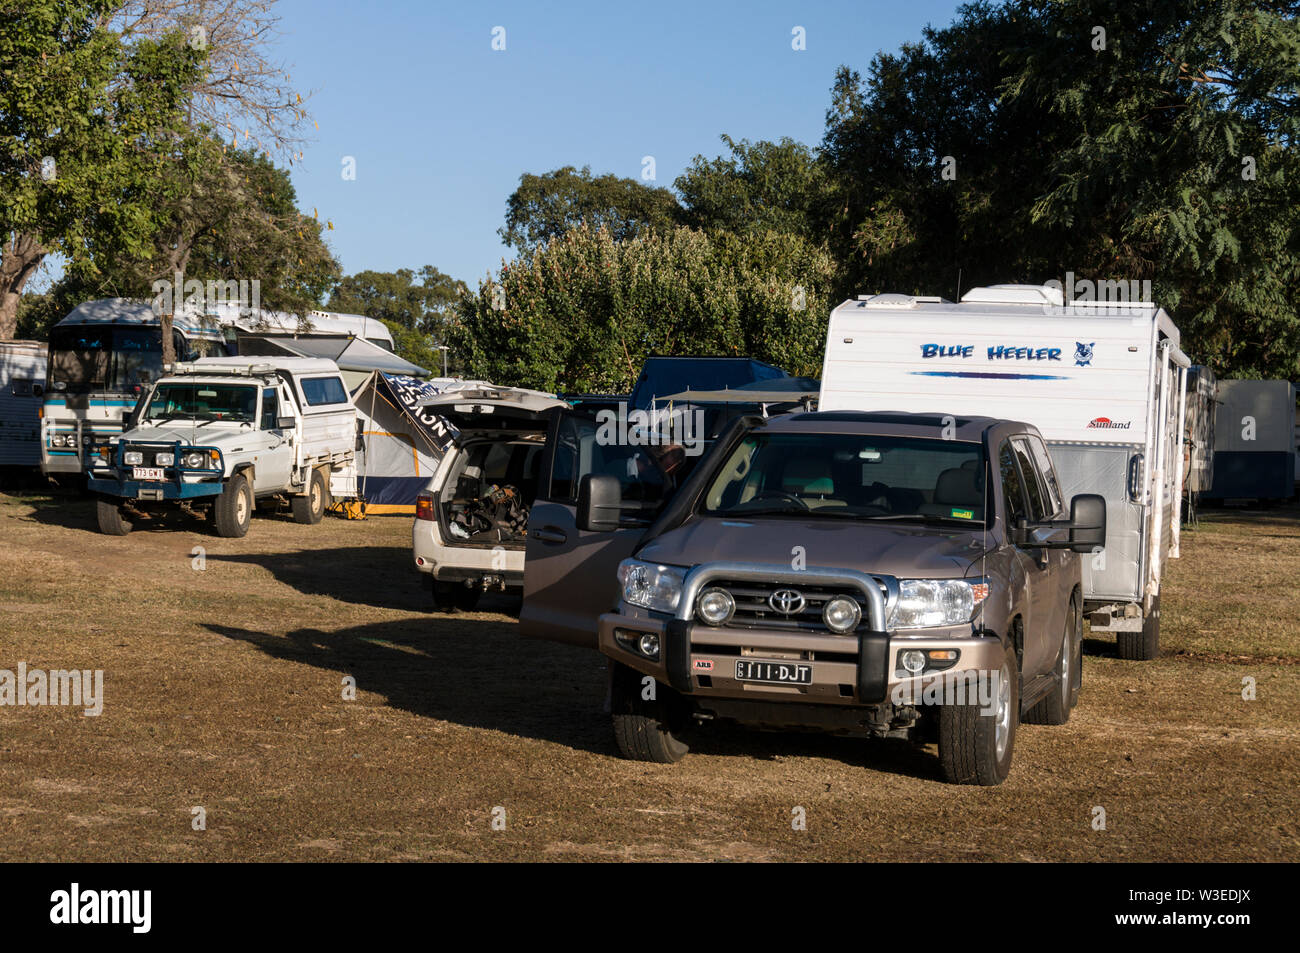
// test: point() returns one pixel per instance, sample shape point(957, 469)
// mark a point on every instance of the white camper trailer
point(1103, 381)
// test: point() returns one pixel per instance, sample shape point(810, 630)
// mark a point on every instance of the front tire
point(976, 748)
point(233, 509)
point(310, 507)
point(642, 727)
point(1054, 708)
point(111, 521)
point(1145, 645)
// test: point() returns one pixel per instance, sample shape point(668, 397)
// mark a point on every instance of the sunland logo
point(1105, 423)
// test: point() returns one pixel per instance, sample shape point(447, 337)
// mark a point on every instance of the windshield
point(846, 475)
point(187, 400)
point(104, 359)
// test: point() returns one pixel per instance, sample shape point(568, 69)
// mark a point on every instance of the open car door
point(570, 575)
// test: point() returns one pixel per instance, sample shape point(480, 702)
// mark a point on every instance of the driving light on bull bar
point(195, 461)
point(842, 614)
point(164, 459)
point(649, 645)
point(133, 458)
point(715, 606)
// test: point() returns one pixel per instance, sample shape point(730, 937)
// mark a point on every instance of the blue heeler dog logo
point(1083, 353)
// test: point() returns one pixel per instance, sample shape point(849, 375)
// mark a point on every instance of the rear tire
point(466, 598)
point(233, 509)
point(642, 727)
point(969, 741)
point(1054, 707)
point(1145, 645)
point(310, 507)
point(111, 521)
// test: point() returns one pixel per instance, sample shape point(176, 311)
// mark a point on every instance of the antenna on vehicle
point(958, 284)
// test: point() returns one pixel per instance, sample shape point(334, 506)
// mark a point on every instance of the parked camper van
point(22, 386)
point(218, 435)
point(1103, 381)
point(102, 357)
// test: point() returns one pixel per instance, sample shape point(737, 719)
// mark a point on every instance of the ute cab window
point(851, 476)
point(207, 402)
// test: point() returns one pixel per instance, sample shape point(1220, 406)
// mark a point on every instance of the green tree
point(396, 297)
point(762, 186)
point(584, 312)
point(545, 206)
point(1181, 166)
point(418, 315)
point(87, 119)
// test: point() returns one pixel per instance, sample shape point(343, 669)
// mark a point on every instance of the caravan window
point(323, 390)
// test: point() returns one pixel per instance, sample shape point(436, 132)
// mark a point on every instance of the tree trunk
point(177, 258)
point(20, 256)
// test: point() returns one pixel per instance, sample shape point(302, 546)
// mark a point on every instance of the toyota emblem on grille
point(786, 601)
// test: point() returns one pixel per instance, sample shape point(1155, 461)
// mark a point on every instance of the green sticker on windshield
point(963, 514)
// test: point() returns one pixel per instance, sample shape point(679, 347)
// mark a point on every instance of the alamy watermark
point(676, 427)
point(170, 294)
point(1084, 295)
point(76, 688)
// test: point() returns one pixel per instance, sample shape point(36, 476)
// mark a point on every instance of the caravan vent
point(895, 301)
point(1014, 294)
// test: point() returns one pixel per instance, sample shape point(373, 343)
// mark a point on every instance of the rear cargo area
point(487, 496)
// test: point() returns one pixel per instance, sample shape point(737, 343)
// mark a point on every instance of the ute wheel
point(1054, 708)
point(641, 726)
point(976, 748)
point(111, 520)
point(1145, 645)
point(310, 507)
point(233, 509)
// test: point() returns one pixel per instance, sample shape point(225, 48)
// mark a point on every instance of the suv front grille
point(754, 607)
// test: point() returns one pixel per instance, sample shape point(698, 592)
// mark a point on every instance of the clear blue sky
point(441, 125)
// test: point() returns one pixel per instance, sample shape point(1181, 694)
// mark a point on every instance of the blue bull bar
point(171, 487)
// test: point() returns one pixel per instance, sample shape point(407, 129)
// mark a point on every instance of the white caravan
point(1103, 381)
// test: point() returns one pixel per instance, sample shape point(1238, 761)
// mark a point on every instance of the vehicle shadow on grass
point(379, 576)
point(472, 672)
point(479, 673)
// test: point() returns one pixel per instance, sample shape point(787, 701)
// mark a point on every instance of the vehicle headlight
point(133, 458)
point(164, 459)
point(650, 585)
point(195, 461)
point(931, 602)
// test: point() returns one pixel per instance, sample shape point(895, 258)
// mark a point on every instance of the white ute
point(219, 435)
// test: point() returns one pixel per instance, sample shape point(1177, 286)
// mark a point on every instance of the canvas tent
point(356, 357)
point(403, 441)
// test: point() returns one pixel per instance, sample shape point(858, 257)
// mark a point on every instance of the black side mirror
point(1087, 522)
point(600, 503)
point(285, 423)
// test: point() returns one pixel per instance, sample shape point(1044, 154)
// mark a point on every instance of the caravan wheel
point(1145, 645)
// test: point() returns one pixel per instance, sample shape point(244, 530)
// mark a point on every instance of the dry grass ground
point(223, 690)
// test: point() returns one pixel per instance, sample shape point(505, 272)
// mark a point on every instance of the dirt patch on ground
point(224, 664)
